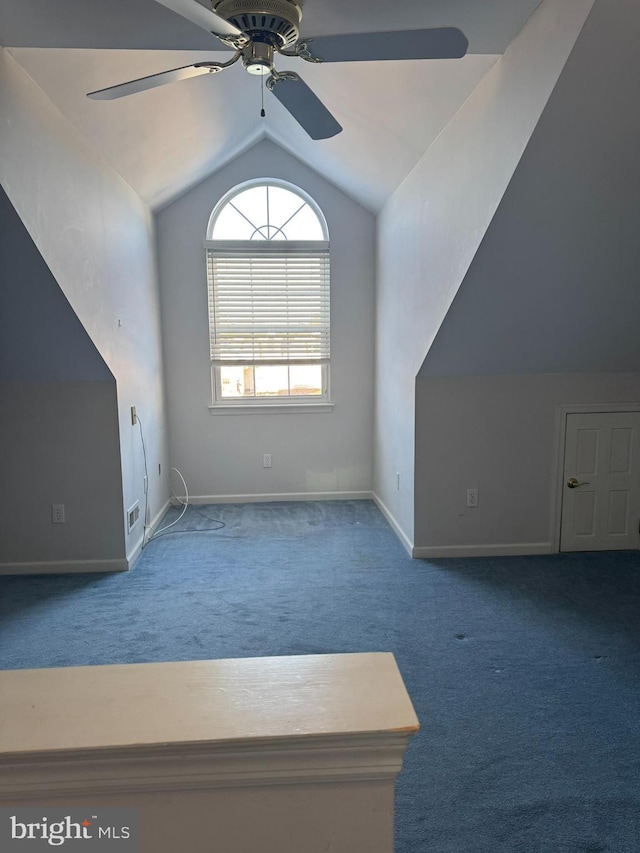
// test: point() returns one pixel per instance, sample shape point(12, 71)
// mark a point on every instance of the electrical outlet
point(472, 497)
point(397, 480)
point(57, 513)
point(134, 416)
point(266, 460)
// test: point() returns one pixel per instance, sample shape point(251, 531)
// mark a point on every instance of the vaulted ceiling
point(167, 139)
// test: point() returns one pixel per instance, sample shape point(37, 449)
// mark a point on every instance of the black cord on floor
point(208, 517)
point(146, 541)
point(217, 521)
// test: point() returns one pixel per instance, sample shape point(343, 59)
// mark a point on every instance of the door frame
point(561, 435)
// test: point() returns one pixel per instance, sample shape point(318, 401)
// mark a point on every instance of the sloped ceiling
point(165, 140)
point(553, 287)
point(36, 318)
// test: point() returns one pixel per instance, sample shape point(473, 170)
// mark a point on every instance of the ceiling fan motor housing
point(273, 22)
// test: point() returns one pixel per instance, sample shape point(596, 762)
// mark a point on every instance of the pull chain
point(262, 112)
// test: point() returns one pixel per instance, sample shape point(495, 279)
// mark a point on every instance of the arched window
point(268, 284)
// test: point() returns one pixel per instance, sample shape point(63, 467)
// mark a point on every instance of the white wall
point(221, 455)
point(498, 434)
point(431, 228)
point(97, 238)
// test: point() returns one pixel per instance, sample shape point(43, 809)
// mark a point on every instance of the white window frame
point(265, 404)
point(297, 402)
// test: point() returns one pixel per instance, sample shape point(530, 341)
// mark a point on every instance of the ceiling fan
point(258, 29)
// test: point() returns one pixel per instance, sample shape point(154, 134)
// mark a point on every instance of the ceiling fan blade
point(440, 43)
point(303, 104)
point(201, 16)
point(100, 25)
point(150, 82)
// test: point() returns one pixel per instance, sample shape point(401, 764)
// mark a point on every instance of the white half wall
point(221, 454)
point(97, 239)
point(499, 434)
point(59, 441)
point(431, 228)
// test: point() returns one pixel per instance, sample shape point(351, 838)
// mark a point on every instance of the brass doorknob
point(572, 483)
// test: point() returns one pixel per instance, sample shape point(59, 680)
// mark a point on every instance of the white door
point(601, 490)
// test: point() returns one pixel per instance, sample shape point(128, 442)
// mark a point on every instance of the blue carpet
point(524, 672)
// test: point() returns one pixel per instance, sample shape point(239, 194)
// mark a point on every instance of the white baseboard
point(133, 555)
point(518, 549)
point(402, 536)
point(63, 567)
point(288, 496)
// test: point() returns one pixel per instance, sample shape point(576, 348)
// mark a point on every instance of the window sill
point(272, 409)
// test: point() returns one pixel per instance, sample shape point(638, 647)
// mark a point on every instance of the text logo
point(34, 829)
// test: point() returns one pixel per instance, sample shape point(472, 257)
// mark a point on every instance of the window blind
point(268, 303)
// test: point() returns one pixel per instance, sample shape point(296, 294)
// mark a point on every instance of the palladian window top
point(267, 211)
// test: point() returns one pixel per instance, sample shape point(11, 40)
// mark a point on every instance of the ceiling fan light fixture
point(257, 58)
point(258, 69)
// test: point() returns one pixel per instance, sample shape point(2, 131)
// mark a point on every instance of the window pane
point(230, 225)
point(251, 381)
point(236, 382)
point(305, 379)
point(304, 226)
point(272, 381)
point(252, 203)
point(283, 205)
